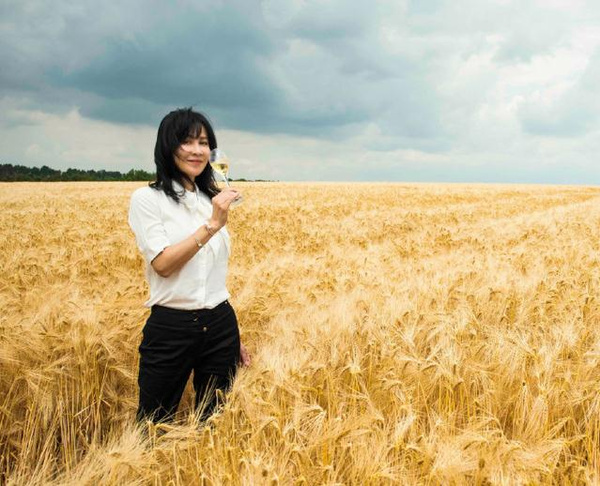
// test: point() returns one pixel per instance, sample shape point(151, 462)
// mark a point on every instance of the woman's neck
point(188, 186)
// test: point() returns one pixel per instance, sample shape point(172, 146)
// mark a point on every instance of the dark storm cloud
point(210, 61)
point(317, 69)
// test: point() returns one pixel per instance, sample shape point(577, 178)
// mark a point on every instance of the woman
point(179, 225)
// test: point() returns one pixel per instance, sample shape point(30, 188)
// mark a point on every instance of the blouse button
point(205, 328)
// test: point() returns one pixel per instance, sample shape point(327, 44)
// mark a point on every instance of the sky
point(302, 90)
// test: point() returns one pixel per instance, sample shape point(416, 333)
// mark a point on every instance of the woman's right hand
point(221, 203)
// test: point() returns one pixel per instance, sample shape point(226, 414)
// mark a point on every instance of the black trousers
point(177, 342)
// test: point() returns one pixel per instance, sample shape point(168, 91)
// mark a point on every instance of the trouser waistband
point(161, 308)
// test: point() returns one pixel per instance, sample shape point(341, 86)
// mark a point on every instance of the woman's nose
point(196, 147)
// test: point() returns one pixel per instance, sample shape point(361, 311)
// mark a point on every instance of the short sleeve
point(146, 223)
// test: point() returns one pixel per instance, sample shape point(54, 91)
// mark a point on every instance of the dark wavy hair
point(173, 130)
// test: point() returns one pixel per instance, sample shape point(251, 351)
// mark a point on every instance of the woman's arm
point(173, 257)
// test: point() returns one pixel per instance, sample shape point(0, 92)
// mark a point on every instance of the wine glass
point(220, 164)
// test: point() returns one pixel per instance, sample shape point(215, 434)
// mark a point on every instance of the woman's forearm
point(173, 257)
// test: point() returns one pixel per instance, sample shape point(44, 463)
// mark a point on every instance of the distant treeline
point(13, 173)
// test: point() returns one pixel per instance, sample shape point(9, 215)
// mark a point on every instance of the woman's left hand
point(244, 356)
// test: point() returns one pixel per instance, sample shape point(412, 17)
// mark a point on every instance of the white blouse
point(157, 222)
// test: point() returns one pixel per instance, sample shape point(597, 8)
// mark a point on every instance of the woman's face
point(192, 155)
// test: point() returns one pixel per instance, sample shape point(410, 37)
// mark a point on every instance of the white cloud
point(61, 141)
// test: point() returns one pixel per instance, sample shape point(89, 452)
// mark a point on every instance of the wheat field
point(400, 333)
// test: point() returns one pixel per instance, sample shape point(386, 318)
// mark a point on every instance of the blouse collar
point(188, 198)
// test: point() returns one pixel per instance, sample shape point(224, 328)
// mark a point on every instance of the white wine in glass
point(220, 164)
